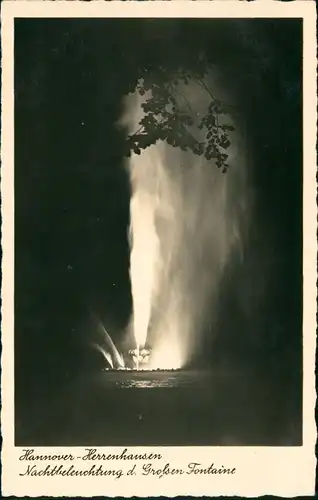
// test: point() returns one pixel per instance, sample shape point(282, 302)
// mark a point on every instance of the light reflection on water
point(153, 379)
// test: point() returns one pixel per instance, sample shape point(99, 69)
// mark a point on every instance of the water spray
point(186, 225)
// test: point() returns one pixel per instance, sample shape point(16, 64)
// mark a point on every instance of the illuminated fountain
point(140, 358)
point(186, 223)
point(105, 346)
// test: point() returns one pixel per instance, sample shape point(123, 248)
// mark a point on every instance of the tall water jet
point(187, 220)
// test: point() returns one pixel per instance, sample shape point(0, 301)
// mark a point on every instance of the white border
point(280, 471)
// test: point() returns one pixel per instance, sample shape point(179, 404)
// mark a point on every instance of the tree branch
point(143, 127)
point(201, 82)
point(184, 97)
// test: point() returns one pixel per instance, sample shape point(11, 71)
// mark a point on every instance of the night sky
point(72, 190)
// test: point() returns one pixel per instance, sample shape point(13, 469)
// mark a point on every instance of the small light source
point(140, 357)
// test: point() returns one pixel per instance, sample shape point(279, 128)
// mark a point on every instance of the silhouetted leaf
point(166, 119)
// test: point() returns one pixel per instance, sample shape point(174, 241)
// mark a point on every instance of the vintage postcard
point(159, 248)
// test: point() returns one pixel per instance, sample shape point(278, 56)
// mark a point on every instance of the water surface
point(168, 408)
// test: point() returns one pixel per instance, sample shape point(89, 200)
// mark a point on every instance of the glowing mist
point(186, 222)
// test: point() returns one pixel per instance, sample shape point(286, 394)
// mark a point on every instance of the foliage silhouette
point(169, 115)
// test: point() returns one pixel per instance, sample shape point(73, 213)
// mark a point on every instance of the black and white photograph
point(158, 232)
point(158, 223)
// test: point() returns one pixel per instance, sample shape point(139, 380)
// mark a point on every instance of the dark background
point(72, 191)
